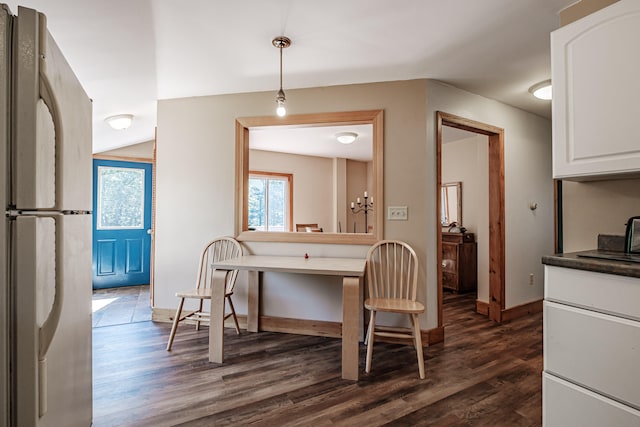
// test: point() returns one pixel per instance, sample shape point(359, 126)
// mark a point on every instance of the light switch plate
point(397, 213)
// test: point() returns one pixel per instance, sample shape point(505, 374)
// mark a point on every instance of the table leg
point(350, 326)
point(253, 310)
point(216, 321)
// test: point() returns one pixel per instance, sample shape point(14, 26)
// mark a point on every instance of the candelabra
point(365, 207)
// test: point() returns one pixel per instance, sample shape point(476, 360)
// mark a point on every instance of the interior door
point(121, 223)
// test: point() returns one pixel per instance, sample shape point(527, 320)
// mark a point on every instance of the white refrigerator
point(45, 238)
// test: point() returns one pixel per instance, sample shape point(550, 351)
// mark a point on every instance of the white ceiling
point(314, 141)
point(130, 53)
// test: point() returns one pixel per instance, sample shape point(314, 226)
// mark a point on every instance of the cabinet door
point(596, 93)
point(564, 404)
point(450, 257)
point(594, 350)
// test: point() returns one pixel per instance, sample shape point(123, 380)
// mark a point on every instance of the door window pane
point(120, 198)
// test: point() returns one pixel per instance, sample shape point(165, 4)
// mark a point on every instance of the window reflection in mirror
point(270, 201)
point(451, 203)
point(326, 175)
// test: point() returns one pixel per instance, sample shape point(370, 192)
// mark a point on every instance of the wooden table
point(350, 269)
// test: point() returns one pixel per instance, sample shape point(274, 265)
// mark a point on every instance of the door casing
point(495, 135)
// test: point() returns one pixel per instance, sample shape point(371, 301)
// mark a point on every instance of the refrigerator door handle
point(48, 328)
point(48, 96)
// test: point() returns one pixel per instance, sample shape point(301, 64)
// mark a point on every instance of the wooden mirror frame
point(458, 186)
point(372, 117)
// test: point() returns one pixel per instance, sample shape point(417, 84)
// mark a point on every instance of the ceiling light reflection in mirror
point(319, 141)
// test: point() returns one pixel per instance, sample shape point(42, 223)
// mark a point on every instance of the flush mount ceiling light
point(119, 122)
point(541, 90)
point(346, 137)
point(281, 43)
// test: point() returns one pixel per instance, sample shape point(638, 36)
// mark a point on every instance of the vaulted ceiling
point(130, 53)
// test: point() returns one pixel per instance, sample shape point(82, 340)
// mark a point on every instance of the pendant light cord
point(280, 67)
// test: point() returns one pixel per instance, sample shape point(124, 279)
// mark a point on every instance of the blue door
point(121, 223)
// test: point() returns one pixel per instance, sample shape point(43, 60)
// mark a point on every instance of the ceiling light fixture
point(346, 137)
point(119, 122)
point(541, 90)
point(281, 42)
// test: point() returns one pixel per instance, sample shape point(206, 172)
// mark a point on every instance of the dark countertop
point(572, 260)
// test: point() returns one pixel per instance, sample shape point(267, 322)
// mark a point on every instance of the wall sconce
point(281, 43)
point(346, 137)
point(541, 90)
point(119, 122)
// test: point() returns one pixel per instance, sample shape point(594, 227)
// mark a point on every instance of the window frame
point(289, 202)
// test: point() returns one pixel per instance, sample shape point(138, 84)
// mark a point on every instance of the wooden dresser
point(459, 262)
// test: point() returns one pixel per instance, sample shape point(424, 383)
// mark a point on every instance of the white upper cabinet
point(595, 65)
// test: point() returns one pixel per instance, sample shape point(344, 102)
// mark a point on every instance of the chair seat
point(202, 293)
point(394, 305)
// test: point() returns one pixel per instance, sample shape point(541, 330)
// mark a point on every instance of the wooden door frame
point(152, 160)
point(495, 134)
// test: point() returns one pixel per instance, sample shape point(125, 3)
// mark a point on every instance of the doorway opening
point(492, 304)
point(123, 277)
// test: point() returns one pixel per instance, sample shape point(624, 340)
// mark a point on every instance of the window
point(270, 201)
point(120, 198)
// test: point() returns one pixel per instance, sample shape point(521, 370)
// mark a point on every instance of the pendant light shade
point(281, 43)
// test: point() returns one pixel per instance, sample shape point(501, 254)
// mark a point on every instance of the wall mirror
point(285, 175)
point(451, 202)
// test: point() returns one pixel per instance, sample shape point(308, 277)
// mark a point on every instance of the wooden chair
point(217, 250)
point(392, 280)
point(308, 228)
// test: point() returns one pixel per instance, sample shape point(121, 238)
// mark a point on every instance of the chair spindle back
point(392, 270)
point(220, 249)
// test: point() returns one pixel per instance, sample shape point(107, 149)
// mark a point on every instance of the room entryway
point(122, 206)
point(492, 300)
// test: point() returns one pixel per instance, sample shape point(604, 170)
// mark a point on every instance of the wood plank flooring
point(483, 375)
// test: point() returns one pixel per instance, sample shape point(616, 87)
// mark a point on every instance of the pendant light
point(281, 42)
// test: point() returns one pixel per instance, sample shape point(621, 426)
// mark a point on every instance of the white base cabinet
point(595, 69)
point(568, 405)
point(591, 349)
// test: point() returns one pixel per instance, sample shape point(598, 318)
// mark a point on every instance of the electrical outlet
point(397, 213)
point(530, 279)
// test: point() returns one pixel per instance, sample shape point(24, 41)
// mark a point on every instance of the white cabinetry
point(591, 349)
point(595, 65)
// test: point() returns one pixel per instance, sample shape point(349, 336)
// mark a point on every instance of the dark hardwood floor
point(483, 375)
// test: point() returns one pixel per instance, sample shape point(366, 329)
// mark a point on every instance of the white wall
point(527, 146)
point(598, 207)
point(196, 189)
point(143, 150)
point(467, 161)
point(312, 184)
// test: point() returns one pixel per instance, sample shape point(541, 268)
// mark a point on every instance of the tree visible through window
point(270, 201)
point(120, 198)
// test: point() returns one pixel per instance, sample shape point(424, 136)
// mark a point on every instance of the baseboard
point(164, 315)
point(299, 326)
point(513, 312)
point(521, 310)
point(482, 307)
